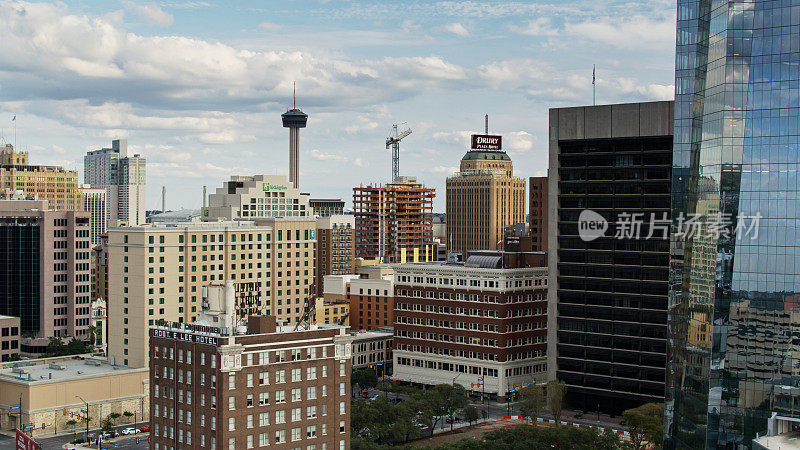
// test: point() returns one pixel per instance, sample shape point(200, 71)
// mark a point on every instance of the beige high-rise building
point(157, 271)
point(482, 200)
point(52, 183)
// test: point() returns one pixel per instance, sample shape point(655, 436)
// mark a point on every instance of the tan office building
point(157, 271)
point(53, 392)
point(335, 247)
point(482, 200)
point(58, 186)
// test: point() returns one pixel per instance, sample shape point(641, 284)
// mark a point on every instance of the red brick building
point(482, 323)
point(335, 248)
point(269, 386)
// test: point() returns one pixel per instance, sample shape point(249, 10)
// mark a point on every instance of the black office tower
point(609, 253)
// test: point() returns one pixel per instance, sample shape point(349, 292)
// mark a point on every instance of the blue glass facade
point(734, 323)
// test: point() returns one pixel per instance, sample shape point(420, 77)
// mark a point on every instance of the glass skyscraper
point(733, 370)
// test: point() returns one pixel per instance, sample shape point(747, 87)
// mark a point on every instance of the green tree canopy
point(645, 424)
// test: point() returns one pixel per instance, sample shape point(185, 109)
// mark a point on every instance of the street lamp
point(87, 417)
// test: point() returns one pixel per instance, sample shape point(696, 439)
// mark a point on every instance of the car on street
point(145, 429)
point(373, 397)
point(131, 430)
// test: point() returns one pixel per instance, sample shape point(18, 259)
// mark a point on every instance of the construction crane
point(393, 141)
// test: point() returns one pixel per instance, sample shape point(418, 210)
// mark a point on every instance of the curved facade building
point(734, 357)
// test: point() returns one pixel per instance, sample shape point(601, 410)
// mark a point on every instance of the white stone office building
point(257, 196)
point(122, 176)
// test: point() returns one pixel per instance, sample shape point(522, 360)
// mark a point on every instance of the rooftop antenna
point(487, 123)
point(294, 94)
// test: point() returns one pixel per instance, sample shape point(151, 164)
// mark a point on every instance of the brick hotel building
point(460, 322)
point(269, 386)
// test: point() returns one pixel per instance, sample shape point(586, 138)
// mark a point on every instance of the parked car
point(145, 429)
point(374, 397)
point(455, 419)
point(131, 430)
point(108, 434)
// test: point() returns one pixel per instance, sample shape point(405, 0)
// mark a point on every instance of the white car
point(130, 431)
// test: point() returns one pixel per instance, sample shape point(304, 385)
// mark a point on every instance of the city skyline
point(198, 88)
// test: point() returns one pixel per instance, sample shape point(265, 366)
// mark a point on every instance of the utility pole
point(87, 416)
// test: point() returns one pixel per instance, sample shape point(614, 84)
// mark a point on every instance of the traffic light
point(137, 440)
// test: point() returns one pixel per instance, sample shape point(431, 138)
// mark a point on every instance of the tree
point(555, 397)
point(128, 415)
point(645, 424)
point(533, 401)
point(365, 378)
point(71, 423)
point(529, 437)
point(112, 417)
point(471, 414)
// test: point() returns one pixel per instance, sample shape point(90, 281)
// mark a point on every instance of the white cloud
point(270, 26)
point(150, 13)
point(447, 170)
point(639, 32)
point(540, 26)
point(320, 156)
point(520, 141)
point(457, 29)
point(360, 163)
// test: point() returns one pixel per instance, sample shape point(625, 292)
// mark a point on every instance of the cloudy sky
point(198, 87)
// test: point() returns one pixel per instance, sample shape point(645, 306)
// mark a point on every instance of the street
point(57, 442)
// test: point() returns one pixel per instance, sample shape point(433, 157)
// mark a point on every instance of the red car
point(145, 429)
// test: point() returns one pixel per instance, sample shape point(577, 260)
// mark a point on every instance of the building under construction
point(394, 223)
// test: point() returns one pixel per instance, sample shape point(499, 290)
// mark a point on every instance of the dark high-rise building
point(44, 271)
point(733, 366)
point(609, 281)
point(537, 212)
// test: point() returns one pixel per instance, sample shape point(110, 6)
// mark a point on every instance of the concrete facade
point(157, 271)
point(57, 186)
point(482, 200)
point(335, 248)
point(45, 271)
point(10, 336)
point(123, 177)
point(50, 388)
point(257, 196)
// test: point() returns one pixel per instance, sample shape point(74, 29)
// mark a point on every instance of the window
point(263, 439)
point(311, 432)
point(231, 402)
point(341, 407)
point(341, 426)
point(296, 396)
point(231, 423)
point(311, 373)
point(263, 398)
point(263, 377)
point(280, 376)
point(231, 381)
point(296, 375)
point(280, 436)
point(280, 396)
point(249, 400)
point(311, 392)
point(280, 417)
point(249, 441)
point(231, 443)
point(296, 415)
point(250, 378)
point(341, 389)
point(263, 419)
point(296, 434)
point(249, 421)
point(311, 412)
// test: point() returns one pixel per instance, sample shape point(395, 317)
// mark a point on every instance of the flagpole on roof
point(594, 87)
point(14, 119)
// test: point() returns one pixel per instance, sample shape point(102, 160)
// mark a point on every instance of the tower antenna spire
point(487, 123)
point(294, 94)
